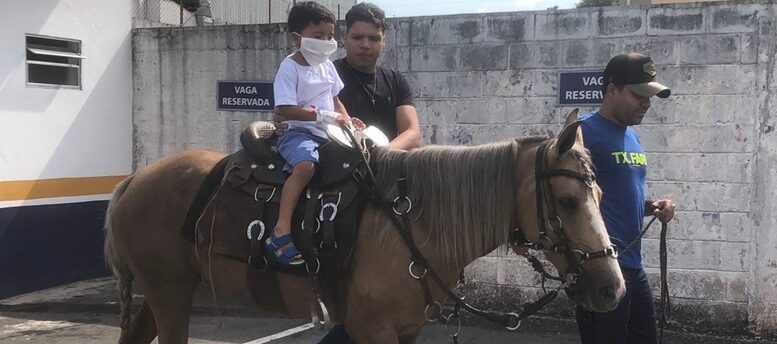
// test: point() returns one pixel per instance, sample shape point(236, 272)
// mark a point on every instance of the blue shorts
point(296, 146)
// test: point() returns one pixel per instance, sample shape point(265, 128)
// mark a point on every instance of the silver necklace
point(369, 94)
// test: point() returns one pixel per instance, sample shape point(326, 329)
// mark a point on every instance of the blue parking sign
point(245, 96)
point(580, 88)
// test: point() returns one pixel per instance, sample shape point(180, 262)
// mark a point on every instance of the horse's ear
point(568, 137)
point(572, 117)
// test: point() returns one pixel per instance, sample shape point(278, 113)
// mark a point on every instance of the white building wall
point(62, 150)
point(53, 132)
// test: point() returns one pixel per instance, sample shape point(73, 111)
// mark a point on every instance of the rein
point(664, 304)
point(399, 216)
point(398, 212)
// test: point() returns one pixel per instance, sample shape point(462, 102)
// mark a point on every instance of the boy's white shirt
point(307, 86)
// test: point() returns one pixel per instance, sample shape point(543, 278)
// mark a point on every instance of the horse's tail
point(116, 261)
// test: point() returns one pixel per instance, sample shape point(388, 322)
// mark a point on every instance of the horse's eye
point(568, 202)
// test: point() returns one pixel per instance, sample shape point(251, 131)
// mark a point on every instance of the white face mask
point(316, 51)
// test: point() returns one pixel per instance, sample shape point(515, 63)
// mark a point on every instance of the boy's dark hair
point(306, 12)
point(368, 13)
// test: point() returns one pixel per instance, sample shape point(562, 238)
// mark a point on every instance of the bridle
point(546, 219)
point(575, 258)
point(398, 212)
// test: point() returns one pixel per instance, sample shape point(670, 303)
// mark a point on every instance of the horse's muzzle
point(599, 290)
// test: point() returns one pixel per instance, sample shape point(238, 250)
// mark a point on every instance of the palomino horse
point(467, 201)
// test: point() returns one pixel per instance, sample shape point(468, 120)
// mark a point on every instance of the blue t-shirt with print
point(621, 168)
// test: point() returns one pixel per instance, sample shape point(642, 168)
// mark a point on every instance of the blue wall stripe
point(47, 245)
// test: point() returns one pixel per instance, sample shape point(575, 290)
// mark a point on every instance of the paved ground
point(86, 312)
point(79, 328)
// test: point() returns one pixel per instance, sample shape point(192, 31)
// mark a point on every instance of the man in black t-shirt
point(378, 96)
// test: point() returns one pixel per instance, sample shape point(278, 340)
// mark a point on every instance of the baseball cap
point(638, 72)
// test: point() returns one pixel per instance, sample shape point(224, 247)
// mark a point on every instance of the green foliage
point(596, 3)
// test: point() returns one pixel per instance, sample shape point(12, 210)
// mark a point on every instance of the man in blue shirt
point(621, 167)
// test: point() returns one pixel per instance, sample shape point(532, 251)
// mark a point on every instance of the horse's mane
point(464, 195)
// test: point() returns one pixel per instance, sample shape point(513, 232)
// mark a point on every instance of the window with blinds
point(53, 61)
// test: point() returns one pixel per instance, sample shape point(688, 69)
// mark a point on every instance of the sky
point(406, 8)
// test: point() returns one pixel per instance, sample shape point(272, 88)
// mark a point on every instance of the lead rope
point(664, 304)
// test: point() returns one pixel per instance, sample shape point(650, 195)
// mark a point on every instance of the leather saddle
point(259, 139)
point(243, 207)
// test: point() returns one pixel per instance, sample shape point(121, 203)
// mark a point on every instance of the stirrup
point(315, 306)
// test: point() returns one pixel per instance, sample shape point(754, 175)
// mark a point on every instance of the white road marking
point(283, 334)
point(32, 325)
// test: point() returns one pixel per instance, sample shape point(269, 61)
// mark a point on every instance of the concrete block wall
point(485, 77)
point(175, 74)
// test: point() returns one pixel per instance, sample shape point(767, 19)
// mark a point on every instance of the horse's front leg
point(409, 338)
point(373, 333)
point(382, 334)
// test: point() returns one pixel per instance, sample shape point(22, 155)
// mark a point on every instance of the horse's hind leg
point(169, 296)
point(171, 309)
point(142, 330)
